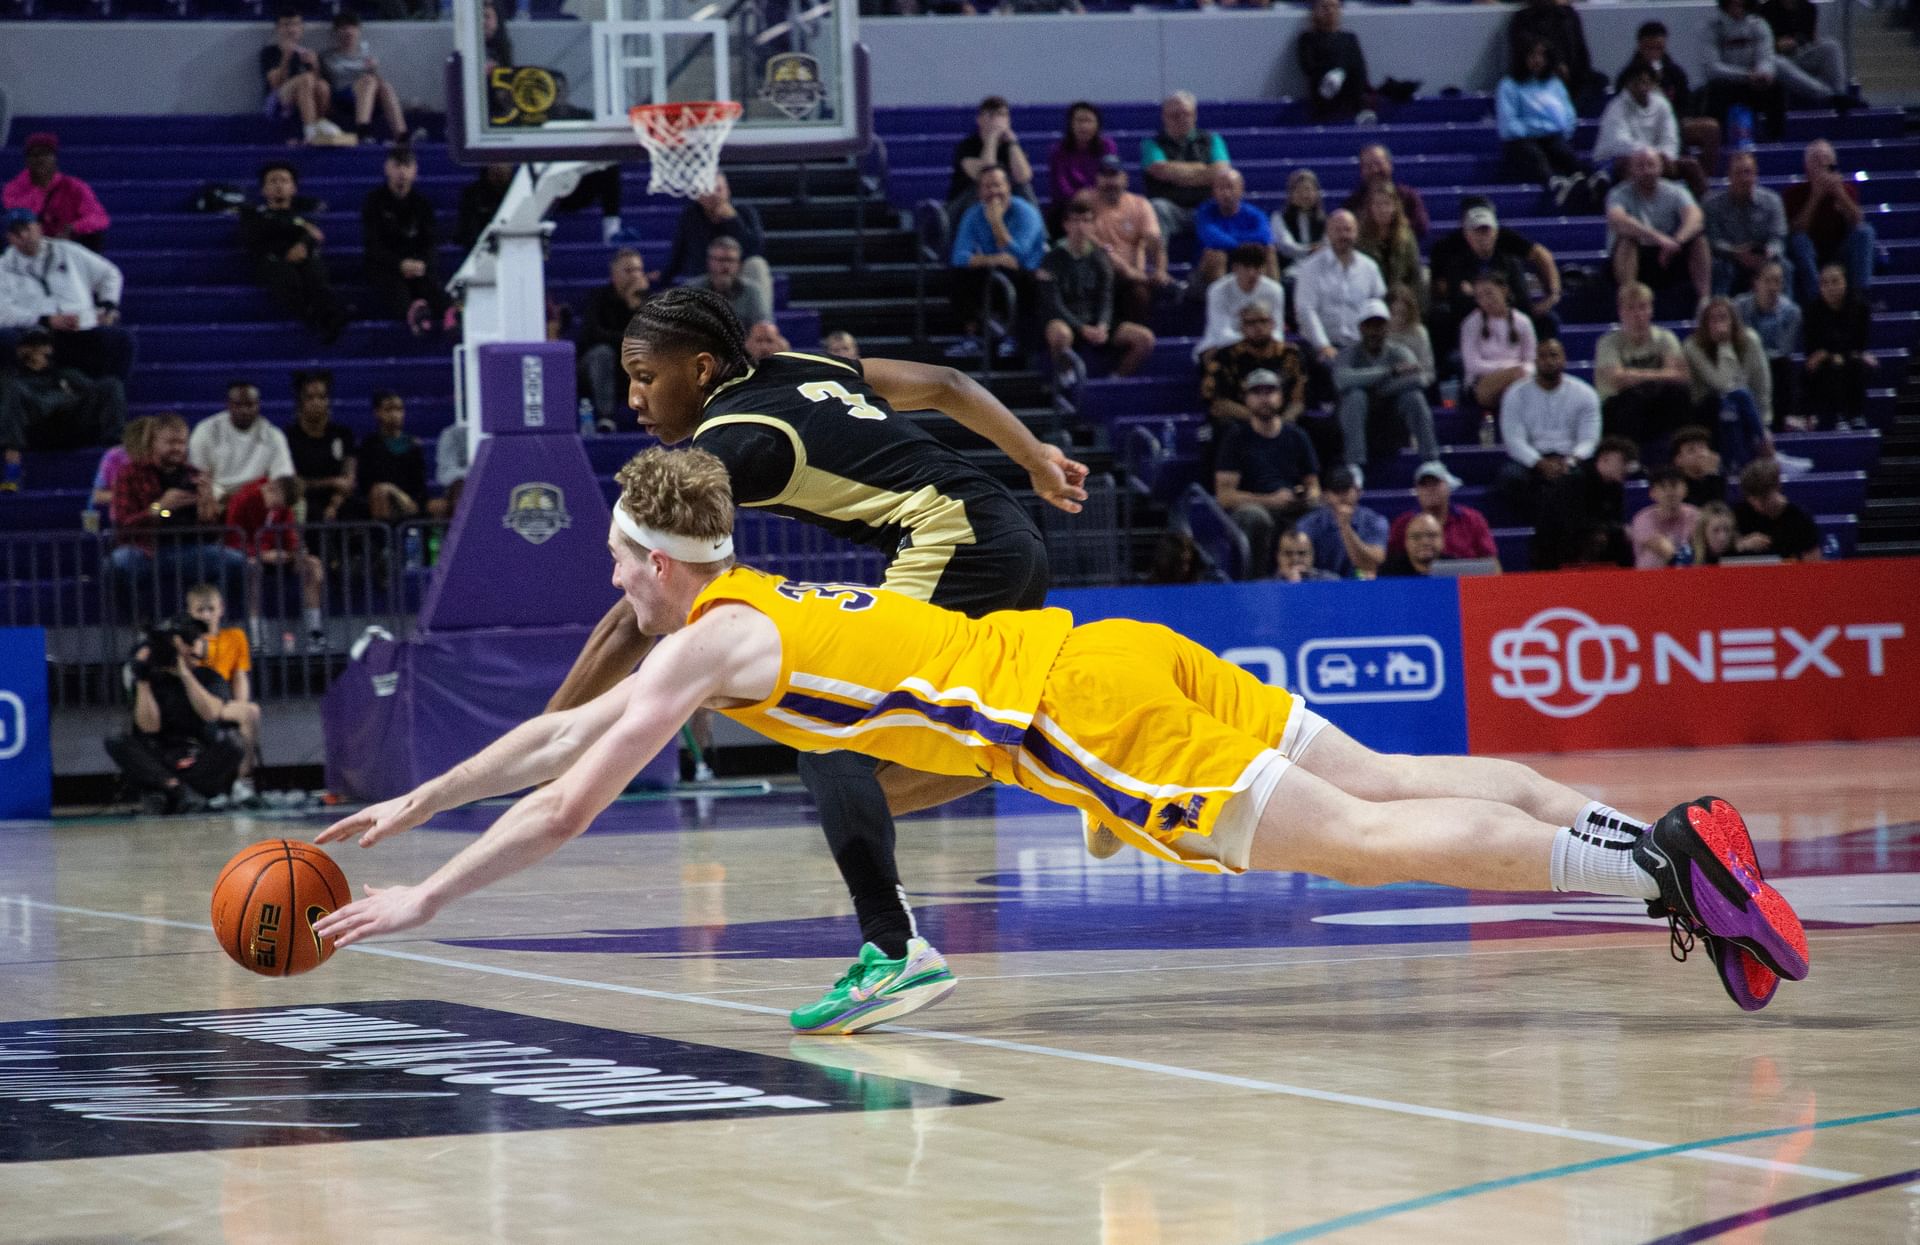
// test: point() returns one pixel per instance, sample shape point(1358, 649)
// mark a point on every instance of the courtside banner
point(1382, 659)
point(1681, 658)
point(26, 751)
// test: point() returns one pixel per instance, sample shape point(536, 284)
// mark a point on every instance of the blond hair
point(681, 492)
point(199, 594)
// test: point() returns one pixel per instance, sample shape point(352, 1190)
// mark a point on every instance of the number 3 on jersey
point(833, 390)
point(852, 598)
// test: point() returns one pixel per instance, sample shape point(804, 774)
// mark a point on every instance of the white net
point(683, 141)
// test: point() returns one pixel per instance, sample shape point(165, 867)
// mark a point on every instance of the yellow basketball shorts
point(1150, 735)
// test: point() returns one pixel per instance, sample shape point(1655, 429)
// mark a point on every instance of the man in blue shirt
point(1224, 222)
point(1349, 540)
point(1001, 234)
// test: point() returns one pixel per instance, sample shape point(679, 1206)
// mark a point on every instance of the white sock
point(609, 225)
point(1594, 855)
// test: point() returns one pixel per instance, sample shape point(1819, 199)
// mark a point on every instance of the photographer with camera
point(177, 755)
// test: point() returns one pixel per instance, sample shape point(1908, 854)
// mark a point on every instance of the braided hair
point(690, 319)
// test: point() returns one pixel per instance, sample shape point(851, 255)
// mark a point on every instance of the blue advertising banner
point(26, 749)
point(1381, 659)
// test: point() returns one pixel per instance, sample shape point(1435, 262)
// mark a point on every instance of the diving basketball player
point(1178, 753)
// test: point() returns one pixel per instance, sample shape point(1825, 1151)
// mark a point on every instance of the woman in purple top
point(1074, 163)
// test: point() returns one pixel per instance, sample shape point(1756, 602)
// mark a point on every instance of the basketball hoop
point(683, 141)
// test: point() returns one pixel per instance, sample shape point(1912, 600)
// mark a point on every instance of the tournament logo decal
point(161, 1083)
point(793, 85)
point(537, 512)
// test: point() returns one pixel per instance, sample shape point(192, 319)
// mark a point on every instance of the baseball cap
point(1112, 164)
point(1339, 480)
point(1374, 309)
point(1434, 469)
point(1261, 378)
point(45, 138)
point(1480, 218)
point(19, 218)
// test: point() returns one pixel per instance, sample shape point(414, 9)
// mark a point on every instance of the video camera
point(159, 643)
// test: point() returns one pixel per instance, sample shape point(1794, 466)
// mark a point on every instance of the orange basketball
point(266, 901)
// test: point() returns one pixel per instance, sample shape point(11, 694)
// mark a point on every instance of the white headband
point(679, 548)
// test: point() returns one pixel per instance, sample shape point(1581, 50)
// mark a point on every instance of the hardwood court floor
point(1145, 1056)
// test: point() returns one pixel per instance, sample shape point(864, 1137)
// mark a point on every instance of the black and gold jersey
point(805, 436)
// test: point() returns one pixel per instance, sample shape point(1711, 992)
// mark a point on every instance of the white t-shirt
point(233, 457)
point(1225, 301)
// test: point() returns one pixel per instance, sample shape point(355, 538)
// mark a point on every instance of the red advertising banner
point(1682, 658)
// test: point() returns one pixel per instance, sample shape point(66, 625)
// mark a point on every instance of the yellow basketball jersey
point(896, 678)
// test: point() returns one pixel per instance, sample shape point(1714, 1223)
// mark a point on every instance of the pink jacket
point(1489, 347)
point(66, 205)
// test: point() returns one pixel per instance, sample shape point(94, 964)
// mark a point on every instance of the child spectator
point(294, 85)
point(353, 71)
point(1693, 453)
point(229, 656)
point(391, 468)
point(1075, 288)
point(1405, 329)
point(1715, 535)
point(396, 230)
point(841, 345)
point(1246, 282)
point(1535, 117)
point(1768, 522)
point(1640, 116)
point(1838, 360)
point(322, 450)
point(262, 526)
point(1497, 344)
point(285, 246)
point(1662, 531)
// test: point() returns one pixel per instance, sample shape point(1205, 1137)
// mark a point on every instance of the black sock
point(859, 830)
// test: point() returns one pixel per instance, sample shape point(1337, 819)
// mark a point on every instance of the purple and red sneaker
point(1711, 885)
point(1750, 984)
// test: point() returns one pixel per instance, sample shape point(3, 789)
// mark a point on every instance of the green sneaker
point(875, 989)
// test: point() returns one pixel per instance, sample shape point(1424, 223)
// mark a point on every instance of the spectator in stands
point(1465, 533)
point(1640, 373)
point(158, 501)
point(230, 656)
point(992, 145)
point(1788, 532)
point(294, 83)
point(750, 302)
point(1482, 245)
point(1246, 282)
point(174, 755)
point(1126, 225)
point(1699, 463)
point(65, 205)
point(1697, 132)
point(494, 38)
point(1332, 286)
point(1557, 24)
point(716, 215)
point(1768, 311)
point(1376, 169)
point(1662, 532)
point(1299, 227)
point(1417, 550)
point(1349, 539)
point(1838, 361)
point(1179, 164)
point(44, 407)
point(397, 235)
point(1387, 239)
point(354, 72)
point(998, 234)
point(765, 340)
point(451, 462)
point(1224, 374)
point(391, 468)
point(1732, 387)
point(841, 345)
point(236, 447)
point(322, 450)
point(1823, 213)
point(261, 524)
point(1075, 289)
point(1293, 560)
point(1715, 534)
point(1497, 344)
point(1549, 424)
point(285, 246)
point(1655, 231)
point(479, 200)
point(1404, 329)
point(62, 287)
point(1266, 474)
point(1640, 116)
point(1536, 121)
point(1742, 71)
point(1074, 163)
point(1578, 516)
point(1809, 67)
point(1224, 223)
point(603, 324)
point(135, 440)
point(1176, 560)
point(1746, 226)
point(1376, 379)
point(1335, 68)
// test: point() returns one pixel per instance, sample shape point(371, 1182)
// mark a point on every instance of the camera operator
point(177, 754)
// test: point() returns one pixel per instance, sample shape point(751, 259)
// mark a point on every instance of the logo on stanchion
point(793, 85)
point(537, 512)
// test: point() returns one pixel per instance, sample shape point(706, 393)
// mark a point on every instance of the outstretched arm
point(926, 387)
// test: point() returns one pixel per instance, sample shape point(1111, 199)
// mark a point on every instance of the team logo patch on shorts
point(1183, 814)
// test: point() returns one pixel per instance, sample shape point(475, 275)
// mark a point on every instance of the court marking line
point(1692, 1151)
point(1774, 1210)
point(1358, 1218)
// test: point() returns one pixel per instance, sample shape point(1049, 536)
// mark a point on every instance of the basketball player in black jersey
point(819, 439)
